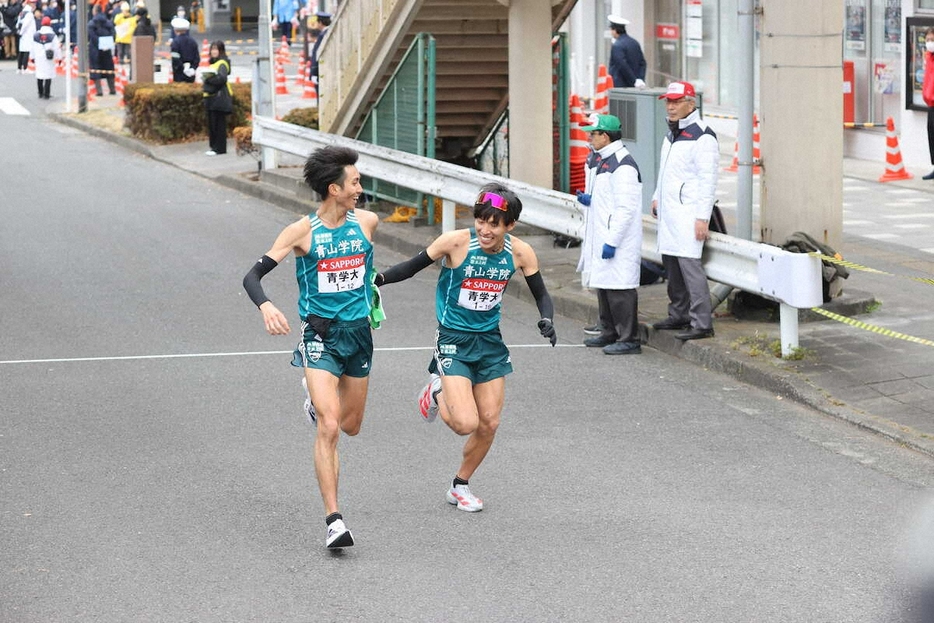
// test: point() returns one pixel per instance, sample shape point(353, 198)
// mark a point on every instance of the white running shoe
point(338, 535)
point(428, 400)
point(309, 409)
point(210, 152)
point(464, 499)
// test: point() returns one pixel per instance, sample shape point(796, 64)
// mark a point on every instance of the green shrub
point(305, 117)
point(174, 113)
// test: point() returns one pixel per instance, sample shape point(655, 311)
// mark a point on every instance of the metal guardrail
point(792, 279)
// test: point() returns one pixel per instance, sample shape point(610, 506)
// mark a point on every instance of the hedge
point(174, 113)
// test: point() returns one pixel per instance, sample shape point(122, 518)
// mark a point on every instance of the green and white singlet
point(332, 277)
point(468, 297)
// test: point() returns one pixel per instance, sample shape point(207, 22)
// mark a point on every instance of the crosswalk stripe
point(11, 107)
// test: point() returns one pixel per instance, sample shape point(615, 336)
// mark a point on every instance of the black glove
point(547, 329)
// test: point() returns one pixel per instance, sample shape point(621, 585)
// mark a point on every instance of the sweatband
point(251, 281)
point(542, 299)
point(406, 269)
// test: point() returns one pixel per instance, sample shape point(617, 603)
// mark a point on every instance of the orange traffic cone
point(579, 147)
point(756, 169)
point(74, 65)
point(60, 67)
point(310, 92)
point(281, 88)
point(31, 67)
point(205, 54)
point(90, 90)
point(601, 102)
point(282, 56)
point(894, 167)
point(120, 79)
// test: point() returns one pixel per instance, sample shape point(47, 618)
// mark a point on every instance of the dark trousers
point(285, 30)
point(688, 292)
point(619, 314)
point(22, 61)
point(931, 132)
point(45, 87)
point(217, 131)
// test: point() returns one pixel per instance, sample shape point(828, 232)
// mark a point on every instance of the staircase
point(369, 37)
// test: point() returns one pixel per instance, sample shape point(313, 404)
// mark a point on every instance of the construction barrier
point(894, 167)
point(579, 147)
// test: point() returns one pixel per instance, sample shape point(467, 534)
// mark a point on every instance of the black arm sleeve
point(406, 269)
point(251, 282)
point(542, 299)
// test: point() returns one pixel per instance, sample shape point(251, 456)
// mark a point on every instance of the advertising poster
point(893, 26)
point(855, 24)
point(883, 78)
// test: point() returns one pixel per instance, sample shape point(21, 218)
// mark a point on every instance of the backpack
point(651, 272)
point(832, 274)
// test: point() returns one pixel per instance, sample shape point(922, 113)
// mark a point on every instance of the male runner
point(333, 257)
point(470, 361)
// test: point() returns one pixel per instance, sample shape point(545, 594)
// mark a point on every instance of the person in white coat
point(46, 51)
point(611, 250)
point(26, 29)
point(683, 201)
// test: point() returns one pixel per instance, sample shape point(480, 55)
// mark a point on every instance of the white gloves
point(188, 71)
point(639, 83)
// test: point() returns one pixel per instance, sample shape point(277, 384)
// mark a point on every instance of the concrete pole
point(67, 53)
point(264, 92)
point(801, 121)
point(530, 140)
point(84, 48)
point(745, 57)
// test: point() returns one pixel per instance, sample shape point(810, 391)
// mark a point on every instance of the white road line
point(244, 354)
point(11, 107)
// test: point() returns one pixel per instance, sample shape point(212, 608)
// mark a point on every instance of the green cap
point(602, 123)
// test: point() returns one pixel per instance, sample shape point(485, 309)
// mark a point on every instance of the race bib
point(480, 294)
point(340, 274)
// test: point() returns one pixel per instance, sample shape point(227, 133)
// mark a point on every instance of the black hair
point(620, 29)
point(326, 166)
point(615, 135)
point(486, 211)
point(221, 49)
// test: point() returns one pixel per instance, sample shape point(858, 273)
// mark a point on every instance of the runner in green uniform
point(470, 361)
point(333, 256)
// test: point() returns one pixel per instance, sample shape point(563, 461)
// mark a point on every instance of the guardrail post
point(448, 215)
point(788, 321)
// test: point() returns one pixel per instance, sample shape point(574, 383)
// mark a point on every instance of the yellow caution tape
point(871, 327)
point(866, 269)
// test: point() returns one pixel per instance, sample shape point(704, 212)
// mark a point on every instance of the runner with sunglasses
point(470, 361)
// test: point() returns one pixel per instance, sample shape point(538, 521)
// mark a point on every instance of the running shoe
point(428, 399)
point(338, 535)
point(464, 499)
point(309, 406)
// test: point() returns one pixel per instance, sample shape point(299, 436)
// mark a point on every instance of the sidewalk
point(877, 382)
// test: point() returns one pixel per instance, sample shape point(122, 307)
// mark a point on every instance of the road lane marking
point(11, 107)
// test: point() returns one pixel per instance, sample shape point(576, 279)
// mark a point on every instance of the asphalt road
point(155, 464)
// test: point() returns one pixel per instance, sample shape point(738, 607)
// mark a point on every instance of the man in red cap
point(45, 50)
point(683, 201)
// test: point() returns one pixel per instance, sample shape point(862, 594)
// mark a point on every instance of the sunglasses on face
point(497, 201)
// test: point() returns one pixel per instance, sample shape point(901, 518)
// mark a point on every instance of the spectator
point(611, 251)
point(218, 98)
point(627, 63)
point(55, 15)
point(46, 51)
point(8, 14)
point(101, 37)
point(26, 29)
point(185, 53)
point(927, 92)
point(144, 27)
point(124, 25)
point(683, 201)
point(324, 22)
point(285, 17)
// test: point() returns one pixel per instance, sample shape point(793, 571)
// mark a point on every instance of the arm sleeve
point(251, 282)
point(406, 269)
point(542, 299)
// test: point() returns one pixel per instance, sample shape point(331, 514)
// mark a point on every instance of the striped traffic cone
point(756, 169)
point(281, 88)
point(601, 102)
point(73, 73)
point(120, 79)
point(894, 167)
point(310, 92)
point(31, 67)
point(60, 67)
point(579, 147)
point(205, 54)
point(90, 90)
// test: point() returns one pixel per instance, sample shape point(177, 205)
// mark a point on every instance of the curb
point(579, 306)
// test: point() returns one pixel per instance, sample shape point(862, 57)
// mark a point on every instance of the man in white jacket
point(683, 200)
point(611, 250)
point(46, 51)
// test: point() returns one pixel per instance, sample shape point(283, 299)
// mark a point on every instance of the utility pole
point(84, 49)
point(264, 100)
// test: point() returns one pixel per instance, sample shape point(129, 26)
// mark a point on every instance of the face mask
point(930, 46)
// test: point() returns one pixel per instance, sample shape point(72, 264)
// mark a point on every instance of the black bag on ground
point(651, 272)
point(832, 274)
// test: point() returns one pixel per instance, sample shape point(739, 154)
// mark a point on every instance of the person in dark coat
point(9, 13)
point(101, 33)
point(627, 63)
point(144, 27)
point(218, 98)
point(185, 53)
